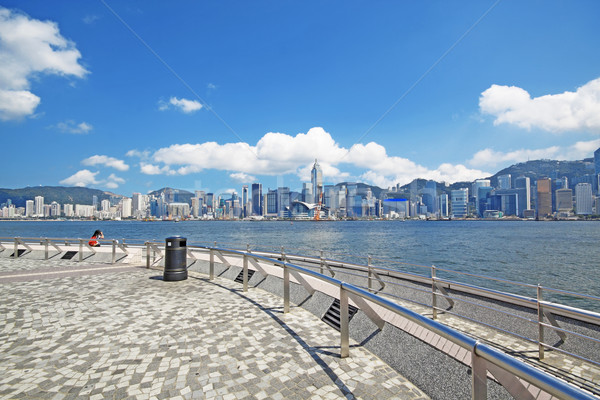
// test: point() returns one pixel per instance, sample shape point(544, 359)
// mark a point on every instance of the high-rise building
point(504, 181)
point(544, 197)
point(271, 203)
point(583, 199)
point(443, 205)
point(244, 201)
point(523, 186)
point(564, 200)
point(316, 179)
point(95, 202)
point(29, 208)
point(483, 199)
point(597, 161)
point(39, 206)
point(126, 207)
point(459, 200)
point(68, 210)
point(54, 209)
point(307, 194)
point(283, 202)
point(257, 200)
point(475, 191)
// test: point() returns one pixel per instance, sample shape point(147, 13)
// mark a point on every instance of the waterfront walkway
point(71, 330)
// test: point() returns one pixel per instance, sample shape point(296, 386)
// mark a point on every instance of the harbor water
point(562, 255)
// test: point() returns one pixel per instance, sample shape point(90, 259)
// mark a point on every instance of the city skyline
point(227, 96)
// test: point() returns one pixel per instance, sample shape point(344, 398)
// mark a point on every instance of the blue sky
point(132, 96)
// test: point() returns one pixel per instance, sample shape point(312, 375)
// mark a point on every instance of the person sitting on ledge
point(97, 235)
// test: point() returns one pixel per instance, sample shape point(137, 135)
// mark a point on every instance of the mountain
point(547, 169)
point(178, 195)
point(60, 194)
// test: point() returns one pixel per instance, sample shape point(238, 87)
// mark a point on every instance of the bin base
point(172, 276)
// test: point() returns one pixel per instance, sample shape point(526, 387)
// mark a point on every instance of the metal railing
point(507, 370)
point(484, 357)
point(82, 245)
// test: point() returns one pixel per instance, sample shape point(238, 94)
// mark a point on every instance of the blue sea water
point(562, 255)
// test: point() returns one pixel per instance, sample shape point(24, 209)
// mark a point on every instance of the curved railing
point(484, 358)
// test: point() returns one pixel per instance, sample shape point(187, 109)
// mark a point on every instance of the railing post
point(370, 279)
point(16, 253)
point(322, 264)
point(540, 322)
point(80, 250)
point(212, 265)
point(478, 375)
point(114, 251)
point(344, 324)
point(286, 289)
point(245, 273)
point(282, 254)
point(248, 247)
point(45, 248)
point(433, 293)
point(147, 254)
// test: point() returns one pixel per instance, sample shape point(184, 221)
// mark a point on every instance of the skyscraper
point(257, 202)
point(583, 199)
point(39, 206)
point(316, 178)
point(459, 201)
point(564, 200)
point(597, 161)
point(244, 201)
point(523, 186)
point(504, 181)
point(544, 197)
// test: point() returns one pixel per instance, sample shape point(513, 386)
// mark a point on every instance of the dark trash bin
point(175, 259)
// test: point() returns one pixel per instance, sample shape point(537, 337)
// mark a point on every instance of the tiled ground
point(131, 335)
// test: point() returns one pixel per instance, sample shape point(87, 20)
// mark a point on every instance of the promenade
point(71, 330)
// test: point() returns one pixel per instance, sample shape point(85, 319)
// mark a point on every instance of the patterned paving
point(110, 334)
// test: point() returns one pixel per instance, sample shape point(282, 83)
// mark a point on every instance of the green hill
point(60, 194)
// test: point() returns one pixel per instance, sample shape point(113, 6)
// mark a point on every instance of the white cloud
point(29, 46)
point(279, 154)
point(16, 104)
point(113, 181)
point(150, 169)
point(144, 155)
point(184, 105)
point(241, 177)
point(70, 126)
point(489, 158)
point(568, 111)
point(106, 161)
point(81, 178)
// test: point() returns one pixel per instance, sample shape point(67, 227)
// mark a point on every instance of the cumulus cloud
point(27, 47)
point(70, 126)
point(490, 158)
point(279, 154)
point(113, 181)
point(568, 111)
point(106, 161)
point(184, 105)
point(84, 177)
point(151, 169)
point(241, 177)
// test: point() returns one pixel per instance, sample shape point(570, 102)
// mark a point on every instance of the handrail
point(372, 273)
point(480, 352)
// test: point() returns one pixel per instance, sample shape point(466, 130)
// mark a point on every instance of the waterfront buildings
point(459, 201)
point(583, 198)
point(544, 197)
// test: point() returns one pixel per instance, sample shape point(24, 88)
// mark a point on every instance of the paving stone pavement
point(131, 335)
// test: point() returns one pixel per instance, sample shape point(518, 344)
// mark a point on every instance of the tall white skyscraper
point(316, 178)
point(126, 208)
point(39, 206)
point(29, 208)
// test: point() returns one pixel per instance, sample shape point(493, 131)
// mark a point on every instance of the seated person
point(97, 235)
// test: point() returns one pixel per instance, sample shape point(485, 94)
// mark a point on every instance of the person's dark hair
point(97, 233)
